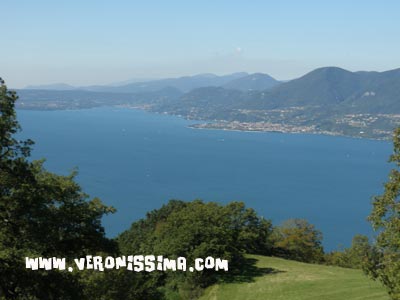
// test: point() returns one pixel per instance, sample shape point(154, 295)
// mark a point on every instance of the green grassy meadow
point(270, 278)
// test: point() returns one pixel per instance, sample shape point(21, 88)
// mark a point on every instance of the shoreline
point(294, 133)
point(208, 126)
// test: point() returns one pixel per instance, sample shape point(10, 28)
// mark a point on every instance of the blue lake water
point(137, 161)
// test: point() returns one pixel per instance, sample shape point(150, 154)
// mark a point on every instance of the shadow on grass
point(248, 272)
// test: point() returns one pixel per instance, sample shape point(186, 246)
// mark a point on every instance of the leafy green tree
point(299, 240)
point(359, 251)
point(193, 229)
point(384, 263)
point(353, 257)
point(41, 214)
point(250, 232)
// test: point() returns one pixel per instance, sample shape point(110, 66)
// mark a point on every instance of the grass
point(269, 278)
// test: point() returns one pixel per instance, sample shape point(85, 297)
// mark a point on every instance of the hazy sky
point(96, 42)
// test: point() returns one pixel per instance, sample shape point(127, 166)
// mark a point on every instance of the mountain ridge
point(327, 100)
point(183, 83)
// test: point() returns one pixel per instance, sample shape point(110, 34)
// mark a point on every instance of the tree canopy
point(299, 240)
point(353, 257)
point(384, 263)
point(41, 214)
point(197, 230)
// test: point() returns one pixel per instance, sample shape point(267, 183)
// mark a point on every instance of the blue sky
point(98, 42)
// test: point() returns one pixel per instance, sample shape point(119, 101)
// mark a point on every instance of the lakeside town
point(355, 125)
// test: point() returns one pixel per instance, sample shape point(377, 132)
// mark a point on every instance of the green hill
point(327, 100)
point(276, 279)
point(255, 82)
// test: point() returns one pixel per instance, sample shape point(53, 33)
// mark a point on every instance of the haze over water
point(137, 161)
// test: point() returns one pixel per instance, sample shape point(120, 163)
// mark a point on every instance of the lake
point(136, 161)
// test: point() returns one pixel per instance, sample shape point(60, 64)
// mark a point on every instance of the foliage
point(354, 257)
point(41, 214)
point(384, 262)
point(299, 240)
point(189, 229)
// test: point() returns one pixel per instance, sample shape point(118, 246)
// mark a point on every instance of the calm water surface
point(137, 161)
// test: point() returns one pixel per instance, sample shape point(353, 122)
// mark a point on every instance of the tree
point(299, 240)
point(191, 230)
point(354, 257)
point(359, 251)
point(41, 214)
point(384, 263)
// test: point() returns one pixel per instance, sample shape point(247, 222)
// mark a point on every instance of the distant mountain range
point(53, 87)
point(240, 81)
point(327, 100)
